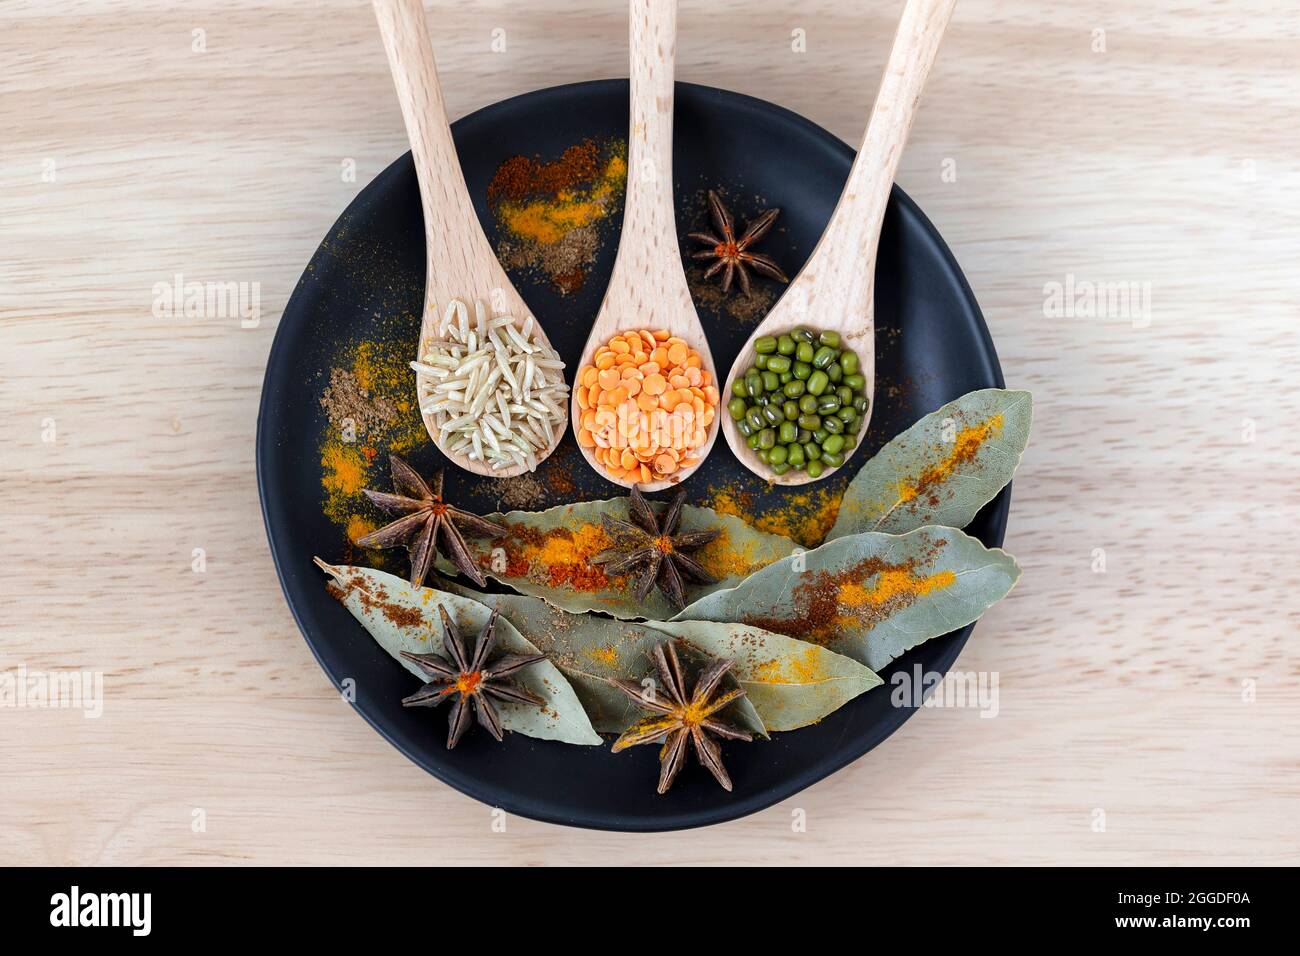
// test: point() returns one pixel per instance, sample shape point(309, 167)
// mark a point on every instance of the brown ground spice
point(550, 213)
point(967, 445)
point(744, 310)
point(857, 597)
point(520, 177)
point(556, 558)
point(372, 387)
point(396, 613)
point(520, 493)
point(566, 260)
point(349, 406)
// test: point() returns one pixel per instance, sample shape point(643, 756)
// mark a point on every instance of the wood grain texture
point(647, 287)
point(835, 289)
point(1099, 139)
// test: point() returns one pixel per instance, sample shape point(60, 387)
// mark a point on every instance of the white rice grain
point(491, 390)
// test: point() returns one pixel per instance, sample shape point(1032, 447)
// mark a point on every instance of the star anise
point(649, 547)
point(469, 679)
point(678, 717)
point(425, 520)
point(732, 254)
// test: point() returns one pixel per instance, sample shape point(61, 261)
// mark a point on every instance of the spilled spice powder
point(521, 177)
point(398, 614)
point(359, 527)
point(559, 478)
point(805, 517)
point(966, 446)
point(607, 655)
point(343, 475)
point(858, 597)
point(559, 557)
point(806, 667)
point(722, 558)
point(383, 369)
point(521, 493)
point(578, 577)
point(566, 260)
point(549, 213)
point(350, 407)
point(744, 310)
point(889, 585)
point(370, 404)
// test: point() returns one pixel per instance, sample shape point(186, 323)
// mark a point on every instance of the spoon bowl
point(856, 336)
point(647, 289)
point(459, 261)
point(835, 290)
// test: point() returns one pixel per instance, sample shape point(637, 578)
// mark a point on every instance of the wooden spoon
point(835, 290)
point(647, 289)
point(459, 262)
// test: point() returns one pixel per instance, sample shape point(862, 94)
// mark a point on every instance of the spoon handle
point(459, 260)
point(851, 236)
point(648, 244)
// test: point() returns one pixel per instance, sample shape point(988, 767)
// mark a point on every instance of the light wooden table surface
point(1104, 140)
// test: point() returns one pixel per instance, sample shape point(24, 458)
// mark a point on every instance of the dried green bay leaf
point(788, 683)
point(870, 596)
point(791, 683)
point(402, 618)
point(589, 650)
point(548, 555)
point(943, 469)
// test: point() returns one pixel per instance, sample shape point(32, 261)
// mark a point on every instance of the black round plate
point(932, 346)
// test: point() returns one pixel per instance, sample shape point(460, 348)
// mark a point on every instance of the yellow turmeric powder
point(860, 605)
point(964, 449)
point(359, 527)
point(723, 558)
point(805, 667)
point(549, 220)
point(607, 655)
point(805, 517)
point(559, 557)
point(351, 460)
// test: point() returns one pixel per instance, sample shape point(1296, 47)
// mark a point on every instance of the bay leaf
point(792, 683)
point(870, 596)
point(788, 683)
point(943, 469)
point(402, 618)
point(548, 555)
point(589, 650)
